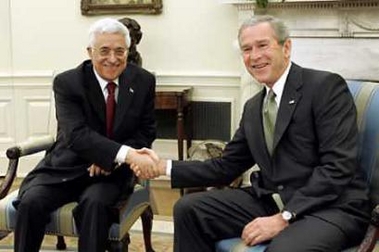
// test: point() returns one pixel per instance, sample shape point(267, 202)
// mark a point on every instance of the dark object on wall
point(135, 37)
point(100, 7)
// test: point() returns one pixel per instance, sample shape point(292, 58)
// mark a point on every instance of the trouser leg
point(33, 213)
point(93, 215)
point(309, 234)
point(201, 219)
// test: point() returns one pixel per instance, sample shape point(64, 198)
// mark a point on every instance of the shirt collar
point(103, 83)
point(278, 86)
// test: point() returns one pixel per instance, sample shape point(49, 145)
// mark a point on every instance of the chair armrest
point(372, 233)
point(30, 147)
point(14, 153)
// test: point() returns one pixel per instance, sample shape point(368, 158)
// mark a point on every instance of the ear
point(287, 46)
point(89, 52)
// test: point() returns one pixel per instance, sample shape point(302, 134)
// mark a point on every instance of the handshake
point(145, 163)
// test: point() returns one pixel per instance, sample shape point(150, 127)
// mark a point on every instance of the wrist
point(162, 167)
point(288, 216)
point(129, 156)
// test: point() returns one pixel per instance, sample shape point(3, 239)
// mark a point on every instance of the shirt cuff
point(121, 154)
point(168, 167)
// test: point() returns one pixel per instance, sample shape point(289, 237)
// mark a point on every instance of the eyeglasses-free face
point(264, 57)
point(108, 55)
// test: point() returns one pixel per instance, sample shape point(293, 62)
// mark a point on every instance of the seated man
point(301, 130)
point(105, 109)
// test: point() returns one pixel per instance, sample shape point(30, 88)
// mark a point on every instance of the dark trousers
point(93, 215)
point(201, 219)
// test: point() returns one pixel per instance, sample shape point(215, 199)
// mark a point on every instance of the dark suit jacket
point(314, 164)
point(80, 111)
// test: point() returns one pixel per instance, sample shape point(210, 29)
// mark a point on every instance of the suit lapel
point(125, 95)
point(94, 93)
point(290, 99)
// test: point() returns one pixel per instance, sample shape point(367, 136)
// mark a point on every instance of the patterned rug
point(161, 243)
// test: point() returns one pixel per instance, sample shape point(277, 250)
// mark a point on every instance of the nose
point(255, 54)
point(112, 56)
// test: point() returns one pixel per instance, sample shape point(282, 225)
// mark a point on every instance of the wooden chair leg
point(61, 244)
point(147, 225)
point(119, 246)
point(372, 233)
point(3, 234)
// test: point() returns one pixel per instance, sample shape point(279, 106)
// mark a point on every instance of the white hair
point(108, 25)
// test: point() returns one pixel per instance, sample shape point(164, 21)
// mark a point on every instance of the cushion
point(236, 245)
point(62, 221)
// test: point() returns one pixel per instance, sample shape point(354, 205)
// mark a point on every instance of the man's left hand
point(95, 170)
point(263, 229)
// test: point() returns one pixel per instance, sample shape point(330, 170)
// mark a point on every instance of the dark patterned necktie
point(111, 104)
point(270, 111)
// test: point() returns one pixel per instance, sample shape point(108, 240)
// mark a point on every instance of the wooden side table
point(179, 99)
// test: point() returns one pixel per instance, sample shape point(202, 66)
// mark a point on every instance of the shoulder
point(320, 77)
point(131, 67)
point(73, 79)
point(77, 72)
point(313, 81)
point(136, 75)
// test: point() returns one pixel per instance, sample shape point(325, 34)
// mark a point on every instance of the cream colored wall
point(191, 43)
point(193, 36)
point(5, 50)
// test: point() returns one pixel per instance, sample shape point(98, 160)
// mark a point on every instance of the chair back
point(52, 123)
point(366, 96)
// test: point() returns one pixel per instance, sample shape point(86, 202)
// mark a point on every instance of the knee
point(32, 206)
point(92, 203)
point(33, 211)
point(185, 207)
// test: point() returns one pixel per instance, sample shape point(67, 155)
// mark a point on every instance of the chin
point(111, 76)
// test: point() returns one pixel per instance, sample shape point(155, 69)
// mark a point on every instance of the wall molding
point(306, 4)
point(27, 78)
point(228, 80)
point(44, 78)
point(321, 19)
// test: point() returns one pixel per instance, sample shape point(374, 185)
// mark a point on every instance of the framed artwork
point(100, 7)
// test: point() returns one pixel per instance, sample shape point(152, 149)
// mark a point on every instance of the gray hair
point(108, 25)
point(280, 29)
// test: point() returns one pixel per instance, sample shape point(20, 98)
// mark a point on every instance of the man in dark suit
point(89, 162)
point(309, 194)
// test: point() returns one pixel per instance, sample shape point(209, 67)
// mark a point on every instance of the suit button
point(280, 187)
point(64, 180)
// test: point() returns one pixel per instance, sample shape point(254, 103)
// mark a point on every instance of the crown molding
point(306, 4)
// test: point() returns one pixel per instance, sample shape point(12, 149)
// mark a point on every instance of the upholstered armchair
point(366, 96)
point(137, 205)
point(62, 222)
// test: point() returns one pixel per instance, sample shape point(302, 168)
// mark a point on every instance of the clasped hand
point(145, 163)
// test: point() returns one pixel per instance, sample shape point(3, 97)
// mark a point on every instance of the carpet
point(161, 243)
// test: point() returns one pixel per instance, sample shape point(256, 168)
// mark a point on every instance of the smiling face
point(264, 58)
point(108, 54)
